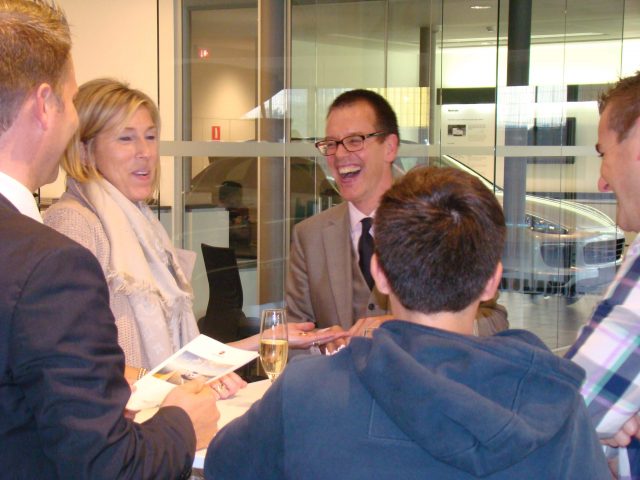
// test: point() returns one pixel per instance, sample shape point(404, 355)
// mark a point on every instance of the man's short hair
point(35, 44)
point(228, 190)
point(386, 120)
point(624, 102)
point(439, 235)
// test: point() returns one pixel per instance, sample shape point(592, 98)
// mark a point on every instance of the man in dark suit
point(62, 388)
point(328, 281)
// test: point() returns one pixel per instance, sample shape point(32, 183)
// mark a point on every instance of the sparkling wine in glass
point(274, 344)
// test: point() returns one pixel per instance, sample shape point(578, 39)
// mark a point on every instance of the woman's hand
point(228, 385)
point(131, 374)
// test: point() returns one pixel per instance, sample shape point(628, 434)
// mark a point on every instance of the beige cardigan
point(72, 217)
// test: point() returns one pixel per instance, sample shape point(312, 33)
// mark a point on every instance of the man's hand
point(199, 401)
point(303, 335)
point(624, 436)
point(360, 328)
point(338, 344)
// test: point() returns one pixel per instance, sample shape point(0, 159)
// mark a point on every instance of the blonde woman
point(112, 167)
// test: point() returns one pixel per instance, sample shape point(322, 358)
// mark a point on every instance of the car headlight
point(540, 225)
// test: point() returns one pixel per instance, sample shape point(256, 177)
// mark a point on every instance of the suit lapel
point(336, 240)
point(4, 202)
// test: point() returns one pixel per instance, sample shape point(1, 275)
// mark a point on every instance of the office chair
point(224, 320)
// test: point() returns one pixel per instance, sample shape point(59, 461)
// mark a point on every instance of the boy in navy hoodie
point(423, 398)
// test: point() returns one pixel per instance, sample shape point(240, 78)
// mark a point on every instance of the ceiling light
point(559, 36)
point(480, 7)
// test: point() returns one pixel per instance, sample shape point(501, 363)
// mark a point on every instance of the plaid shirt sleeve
point(607, 348)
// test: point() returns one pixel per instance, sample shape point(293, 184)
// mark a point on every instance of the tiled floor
point(551, 318)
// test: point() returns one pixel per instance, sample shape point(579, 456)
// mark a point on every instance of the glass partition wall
point(511, 98)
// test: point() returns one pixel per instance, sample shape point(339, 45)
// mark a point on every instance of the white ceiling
point(359, 22)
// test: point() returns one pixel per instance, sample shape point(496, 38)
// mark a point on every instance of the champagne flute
point(274, 343)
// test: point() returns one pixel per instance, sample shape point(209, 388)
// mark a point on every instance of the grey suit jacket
point(320, 280)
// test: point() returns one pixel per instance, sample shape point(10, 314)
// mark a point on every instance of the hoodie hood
point(497, 399)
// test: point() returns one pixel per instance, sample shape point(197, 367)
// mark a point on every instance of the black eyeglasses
point(352, 143)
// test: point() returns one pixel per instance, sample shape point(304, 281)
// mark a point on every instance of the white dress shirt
point(19, 196)
point(355, 219)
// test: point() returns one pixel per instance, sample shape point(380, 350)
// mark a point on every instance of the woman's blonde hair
point(102, 104)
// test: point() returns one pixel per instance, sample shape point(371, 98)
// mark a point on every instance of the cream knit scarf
point(144, 266)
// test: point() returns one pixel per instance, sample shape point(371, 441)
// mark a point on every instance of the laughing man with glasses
point(329, 281)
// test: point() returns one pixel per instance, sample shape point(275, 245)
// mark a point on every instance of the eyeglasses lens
point(326, 148)
point(353, 144)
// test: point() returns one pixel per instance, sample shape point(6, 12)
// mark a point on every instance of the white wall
point(115, 38)
point(118, 38)
point(223, 94)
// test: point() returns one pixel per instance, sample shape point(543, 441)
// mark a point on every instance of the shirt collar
point(356, 216)
point(19, 196)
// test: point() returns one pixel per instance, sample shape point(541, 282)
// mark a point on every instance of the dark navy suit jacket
point(62, 389)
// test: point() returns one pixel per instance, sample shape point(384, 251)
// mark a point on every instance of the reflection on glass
point(442, 66)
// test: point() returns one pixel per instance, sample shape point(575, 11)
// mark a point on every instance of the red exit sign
point(215, 132)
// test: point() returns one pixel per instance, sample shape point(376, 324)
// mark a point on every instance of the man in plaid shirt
point(608, 346)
